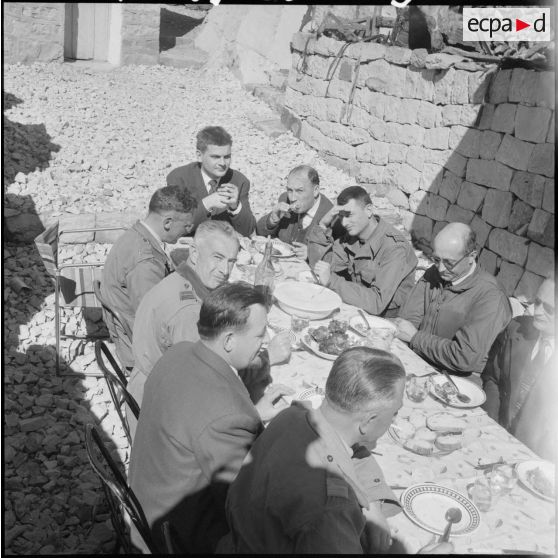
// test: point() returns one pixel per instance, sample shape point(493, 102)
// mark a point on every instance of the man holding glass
point(456, 310)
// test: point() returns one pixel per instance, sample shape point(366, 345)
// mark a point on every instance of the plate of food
point(330, 341)
point(379, 333)
point(306, 300)
point(442, 389)
point(538, 477)
point(315, 395)
point(279, 248)
point(437, 434)
point(426, 506)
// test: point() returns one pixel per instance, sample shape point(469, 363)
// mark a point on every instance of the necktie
point(213, 185)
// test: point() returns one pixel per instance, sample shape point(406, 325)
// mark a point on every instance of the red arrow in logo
point(519, 25)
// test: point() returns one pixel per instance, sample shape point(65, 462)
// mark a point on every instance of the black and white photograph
point(279, 278)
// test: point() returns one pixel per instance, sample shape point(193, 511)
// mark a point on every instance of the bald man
point(456, 310)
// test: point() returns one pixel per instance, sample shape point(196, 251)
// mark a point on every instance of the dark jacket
point(456, 324)
point(288, 229)
point(298, 490)
point(135, 263)
point(529, 416)
point(196, 425)
point(375, 275)
point(189, 176)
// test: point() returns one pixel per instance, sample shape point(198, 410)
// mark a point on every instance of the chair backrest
point(115, 315)
point(116, 383)
point(115, 485)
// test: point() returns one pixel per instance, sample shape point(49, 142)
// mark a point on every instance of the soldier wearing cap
point(372, 265)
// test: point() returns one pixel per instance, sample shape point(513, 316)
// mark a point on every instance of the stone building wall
point(444, 138)
point(140, 34)
point(33, 32)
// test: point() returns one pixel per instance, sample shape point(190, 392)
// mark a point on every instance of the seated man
point(520, 376)
point(456, 310)
point(138, 260)
point(197, 421)
point(297, 490)
point(297, 210)
point(169, 311)
point(221, 192)
point(372, 266)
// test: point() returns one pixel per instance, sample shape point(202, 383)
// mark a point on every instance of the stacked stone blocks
point(444, 138)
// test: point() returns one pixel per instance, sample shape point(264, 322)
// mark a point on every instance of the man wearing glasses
point(520, 380)
point(456, 310)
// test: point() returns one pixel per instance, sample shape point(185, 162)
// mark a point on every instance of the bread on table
point(449, 442)
point(445, 422)
point(421, 447)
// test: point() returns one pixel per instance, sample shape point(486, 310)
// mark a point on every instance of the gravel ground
point(82, 140)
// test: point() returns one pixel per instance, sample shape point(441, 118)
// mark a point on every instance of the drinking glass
point(481, 493)
point(502, 479)
point(298, 324)
point(417, 388)
point(252, 250)
point(379, 338)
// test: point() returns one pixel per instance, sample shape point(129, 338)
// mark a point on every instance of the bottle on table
point(265, 272)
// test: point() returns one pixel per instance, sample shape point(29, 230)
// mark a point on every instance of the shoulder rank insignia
point(337, 487)
point(187, 295)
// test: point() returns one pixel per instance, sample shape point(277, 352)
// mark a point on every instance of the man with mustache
point(372, 265)
point(221, 192)
point(297, 210)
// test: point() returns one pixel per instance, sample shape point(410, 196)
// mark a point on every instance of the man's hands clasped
point(225, 198)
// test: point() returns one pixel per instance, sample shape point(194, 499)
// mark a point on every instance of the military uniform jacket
point(457, 324)
point(196, 425)
point(298, 492)
point(289, 229)
point(189, 176)
point(135, 263)
point(375, 275)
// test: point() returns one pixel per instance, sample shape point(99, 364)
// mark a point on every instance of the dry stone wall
point(33, 32)
point(443, 137)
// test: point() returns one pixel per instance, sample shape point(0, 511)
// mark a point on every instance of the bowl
point(306, 300)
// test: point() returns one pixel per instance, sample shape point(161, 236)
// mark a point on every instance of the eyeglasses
point(448, 264)
point(546, 307)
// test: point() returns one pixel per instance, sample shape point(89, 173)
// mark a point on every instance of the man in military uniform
point(138, 261)
point(372, 265)
point(168, 314)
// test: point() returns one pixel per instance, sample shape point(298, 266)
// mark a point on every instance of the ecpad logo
point(506, 24)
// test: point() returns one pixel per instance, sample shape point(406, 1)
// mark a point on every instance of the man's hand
point(265, 407)
point(280, 210)
point(230, 192)
point(323, 271)
point(301, 250)
point(328, 218)
point(279, 348)
point(405, 329)
point(215, 203)
point(376, 534)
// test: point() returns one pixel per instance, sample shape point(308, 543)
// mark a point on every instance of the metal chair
point(119, 495)
point(73, 282)
point(117, 386)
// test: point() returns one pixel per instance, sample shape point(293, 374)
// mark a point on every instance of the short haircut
point(357, 193)
point(309, 172)
point(228, 307)
point(212, 135)
point(362, 376)
point(210, 227)
point(172, 198)
point(470, 241)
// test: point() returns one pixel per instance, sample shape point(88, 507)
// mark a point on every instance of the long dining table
point(519, 522)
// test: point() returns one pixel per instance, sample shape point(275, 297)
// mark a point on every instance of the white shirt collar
point(154, 234)
point(207, 178)
point(468, 274)
point(234, 369)
point(309, 215)
point(549, 348)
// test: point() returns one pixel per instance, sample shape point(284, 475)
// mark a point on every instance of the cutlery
point(461, 396)
point(363, 316)
point(314, 276)
point(357, 331)
point(453, 515)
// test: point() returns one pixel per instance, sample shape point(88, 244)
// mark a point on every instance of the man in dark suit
point(297, 210)
point(197, 421)
point(520, 377)
point(221, 192)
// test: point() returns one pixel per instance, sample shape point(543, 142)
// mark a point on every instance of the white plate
point(306, 300)
point(477, 395)
point(373, 321)
point(307, 340)
point(280, 249)
point(314, 395)
point(426, 505)
point(547, 470)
